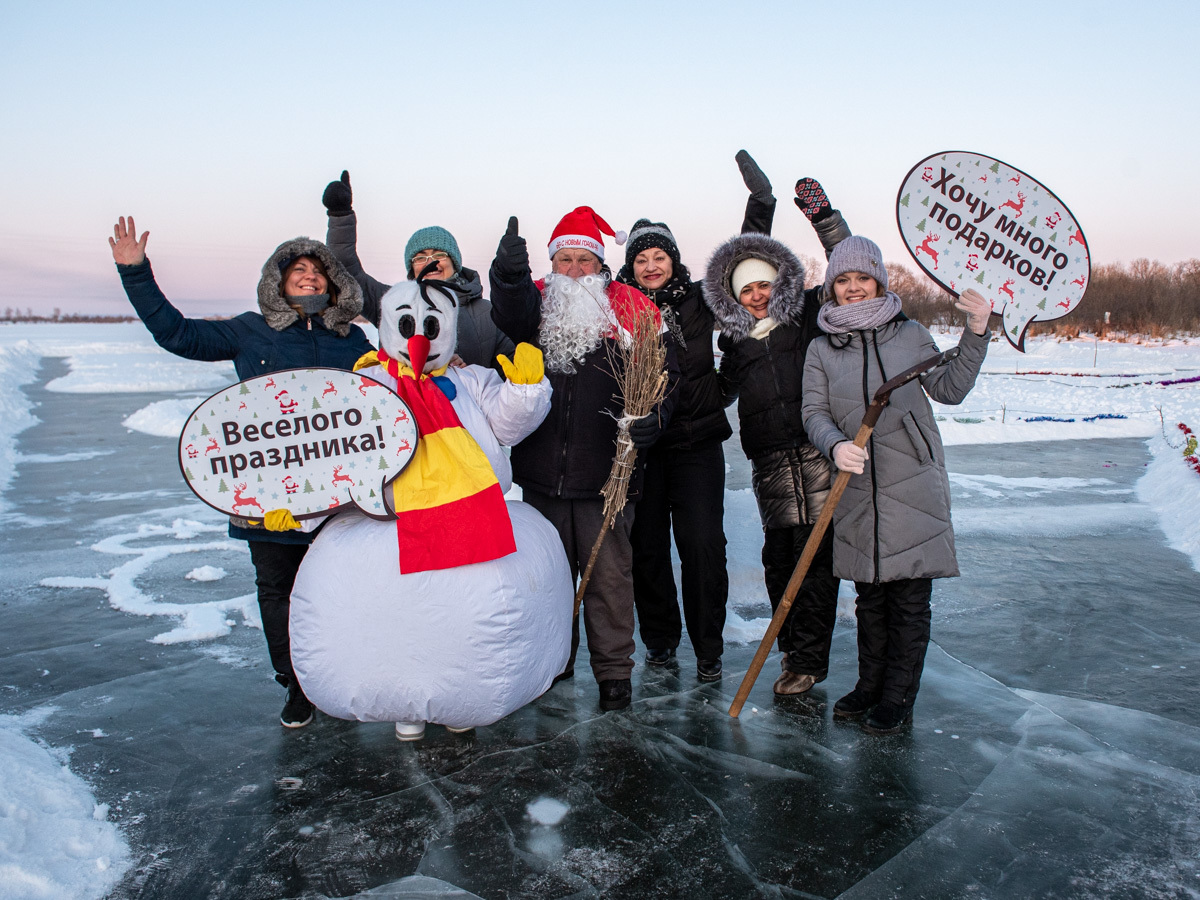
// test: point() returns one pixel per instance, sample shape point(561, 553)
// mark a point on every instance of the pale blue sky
point(217, 125)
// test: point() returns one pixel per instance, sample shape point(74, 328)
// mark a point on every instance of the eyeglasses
point(432, 257)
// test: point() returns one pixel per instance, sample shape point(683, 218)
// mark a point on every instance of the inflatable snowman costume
point(457, 610)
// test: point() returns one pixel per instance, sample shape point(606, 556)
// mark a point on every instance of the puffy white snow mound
point(55, 840)
point(18, 366)
point(164, 418)
point(1172, 487)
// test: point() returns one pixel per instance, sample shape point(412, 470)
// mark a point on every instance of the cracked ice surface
point(1053, 751)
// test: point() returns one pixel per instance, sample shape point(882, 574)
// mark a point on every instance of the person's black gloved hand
point(337, 196)
point(811, 199)
point(756, 181)
point(644, 431)
point(512, 256)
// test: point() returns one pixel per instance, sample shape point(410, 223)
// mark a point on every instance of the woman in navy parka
point(307, 304)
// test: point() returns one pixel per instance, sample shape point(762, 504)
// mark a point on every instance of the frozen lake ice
point(1052, 754)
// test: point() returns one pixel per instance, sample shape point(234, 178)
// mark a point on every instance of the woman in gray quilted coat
point(892, 531)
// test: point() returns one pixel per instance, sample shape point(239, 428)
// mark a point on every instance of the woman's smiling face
point(755, 297)
point(854, 287)
point(304, 276)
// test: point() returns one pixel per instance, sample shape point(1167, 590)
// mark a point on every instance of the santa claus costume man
point(573, 315)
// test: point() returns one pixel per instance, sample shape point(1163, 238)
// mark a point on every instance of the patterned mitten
point(811, 199)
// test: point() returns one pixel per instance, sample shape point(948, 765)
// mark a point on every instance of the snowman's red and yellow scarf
point(448, 505)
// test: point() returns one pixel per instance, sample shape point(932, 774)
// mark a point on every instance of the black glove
point(811, 199)
point(644, 431)
point(512, 256)
point(756, 182)
point(338, 195)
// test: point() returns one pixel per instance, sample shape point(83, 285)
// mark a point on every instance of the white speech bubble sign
point(306, 440)
point(972, 221)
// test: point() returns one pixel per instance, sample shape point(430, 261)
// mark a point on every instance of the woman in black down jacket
point(684, 482)
point(755, 287)
point(684, 487)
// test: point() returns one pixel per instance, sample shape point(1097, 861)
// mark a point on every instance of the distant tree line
point(1145, 297)
point(15, 315)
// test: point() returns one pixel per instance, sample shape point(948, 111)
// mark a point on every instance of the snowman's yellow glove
point(280, 520)
point(527, 366)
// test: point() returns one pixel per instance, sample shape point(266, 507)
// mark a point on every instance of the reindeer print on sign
point(305, 440)
point(973, 221)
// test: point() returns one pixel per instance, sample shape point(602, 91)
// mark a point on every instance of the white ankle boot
point(410, 731)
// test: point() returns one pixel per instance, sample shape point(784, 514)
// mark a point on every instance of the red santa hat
point(581, 228)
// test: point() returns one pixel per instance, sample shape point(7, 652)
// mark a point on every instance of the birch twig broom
point(639, 362)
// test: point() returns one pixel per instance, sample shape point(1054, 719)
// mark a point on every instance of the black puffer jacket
point(762, 368)
point(571, 452)
point(479, 340)
point(699, 413)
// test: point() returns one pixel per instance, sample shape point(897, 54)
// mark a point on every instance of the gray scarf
point(310, 304)
point(861, 316)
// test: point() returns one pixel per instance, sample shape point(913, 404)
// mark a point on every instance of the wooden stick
point(591, 563)
point(798, 574)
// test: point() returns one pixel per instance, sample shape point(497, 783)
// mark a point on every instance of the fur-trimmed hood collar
point(786, 305)
point(270, 295)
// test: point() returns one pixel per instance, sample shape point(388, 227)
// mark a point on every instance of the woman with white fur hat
point(755, 287)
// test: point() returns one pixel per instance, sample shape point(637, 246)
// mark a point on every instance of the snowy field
point(57, 840)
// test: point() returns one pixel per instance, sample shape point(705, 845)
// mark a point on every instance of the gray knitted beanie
point(855, 254)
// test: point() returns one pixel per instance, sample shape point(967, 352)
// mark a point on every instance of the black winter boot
point(854, 705)
point(615, 694)
point(298, 711)
point(708, 670)
point(888, 718)
point(659, 656)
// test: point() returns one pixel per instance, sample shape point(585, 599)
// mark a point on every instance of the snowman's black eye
point(408, 327)
point(432, 327)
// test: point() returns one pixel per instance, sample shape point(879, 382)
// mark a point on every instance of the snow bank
point(115, 358)
point(163, 418)
point(55, 840)
point(1071, 390)
point(1172, 487)
point(18, 367)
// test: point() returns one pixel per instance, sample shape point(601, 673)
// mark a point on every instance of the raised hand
point(756, 181)
point(126, 248)
point(526, 367)
point(338, 196)
point(978, 309)
point(811, 199)
point(512, 256)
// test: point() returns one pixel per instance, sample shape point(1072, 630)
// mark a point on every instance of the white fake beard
point(576, 315)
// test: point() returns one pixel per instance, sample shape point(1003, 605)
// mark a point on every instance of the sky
point(217, 125)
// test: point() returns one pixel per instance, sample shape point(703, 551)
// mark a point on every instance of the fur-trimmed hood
point(786, 305)
point(270, 296)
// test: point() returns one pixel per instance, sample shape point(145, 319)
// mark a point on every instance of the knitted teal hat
point(434, 237)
